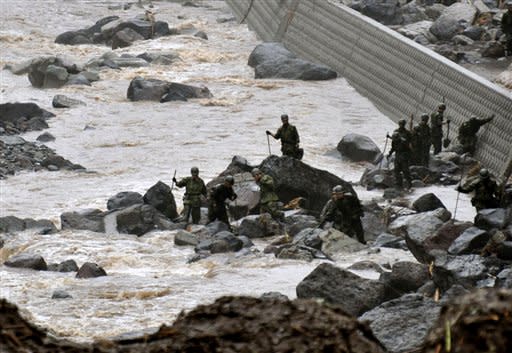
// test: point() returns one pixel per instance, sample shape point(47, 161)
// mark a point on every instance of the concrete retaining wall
point(398, 75)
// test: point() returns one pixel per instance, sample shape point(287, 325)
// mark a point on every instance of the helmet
point(402, 122)
point(424, 117)
point(484, 173)
point(442, 106)
point(229, 179)
point(255, 172)
point(284, 116)
point(337, 189)
point(194, 171)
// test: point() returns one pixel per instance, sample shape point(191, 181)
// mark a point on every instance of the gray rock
point(90, 270)
point(140, 219)
point(309, 237)
point(366, 266)
point(183, 237)
point(62, 101)
point(504, 279)
point(405, 277)
point(160, 197)
point(130, 62)
point(125, 37)
point(225, 242)
point(162, 91)
point(358, 148)
point(427, 202)
point(55, 76)
point(273, 60)
point(88, 219)
point(413, 30)
point(335, 242)
point(386, 240)
point(19, 68)
point(493, 218)
point(461, 39)
point(297, 223)
point(67, 266)
point(124, 199)
point(472, 240)
point(274, 295)
point(34, 262)
point(453, 20)
point(61, 294)
point(465, 270)
point(354, 294)
point(259, 226)
point(78, 79)
point(45, 137)
point(384, 11)
point(295, 252)
point(504, 250)
point(417, 229)
point(402, 324)
point(246, 241)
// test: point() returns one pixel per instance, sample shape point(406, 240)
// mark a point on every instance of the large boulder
point(11, 224)
point(88, 219)
point(34, 262)
point(11, 112)
point(160, 197)
point(48, 72)
point(358, 148)
point(427, 202)
point(402, 324)
point(90, 270)
point(354, 294)
point(454, 20)
point(125, 37)
point(464, 270)
point(293, 178)
point(417, 228)
point(384, 11)
point(163, 91)
point(405, 277)
point(225, 242)
point(124, 199)
point(337, 244)
point(493, 218)
point(273, 60)
point(472, 240)
point(476, 322)
point(140, 219)
point(62, 101)
point(259, 226)
point(74, 38)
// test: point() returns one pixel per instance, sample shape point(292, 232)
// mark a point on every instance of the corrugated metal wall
point(398, 75)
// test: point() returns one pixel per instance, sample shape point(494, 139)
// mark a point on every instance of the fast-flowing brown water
point(135, 144)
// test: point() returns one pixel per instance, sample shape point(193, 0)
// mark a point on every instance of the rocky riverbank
point(466, 32)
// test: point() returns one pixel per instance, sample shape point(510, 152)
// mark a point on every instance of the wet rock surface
point(234, 324)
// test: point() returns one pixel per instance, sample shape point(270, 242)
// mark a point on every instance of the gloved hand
point(268, 132)
point(174, 180)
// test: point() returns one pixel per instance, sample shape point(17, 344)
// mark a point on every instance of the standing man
point(486, 191)
point(506, 27)
point(344, 210)
point(289, 137)
point(436, 128)
point(218, 196)
point(401, 145)
point(194, 188)
point(269, 201)
point(467, 133)
point(421, 142)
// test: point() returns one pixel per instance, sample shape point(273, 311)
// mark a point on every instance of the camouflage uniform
point(269, 201)
point(436, 130)
point(467, 133)
point(194, 187)
point(289, 139)
point(401, 145)
point(486, 193)
point(345, 213)
point(420, 143)
point(217, 206)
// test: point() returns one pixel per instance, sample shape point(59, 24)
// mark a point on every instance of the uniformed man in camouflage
point(467, 133)
point(269, 201)
point(421, 142)
point(436, 128)
point(506, 27)
point(401, 146)
point(487, 194)
point(217, 200)
point(344, 210)
point(289, 137)
point(194, 188)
